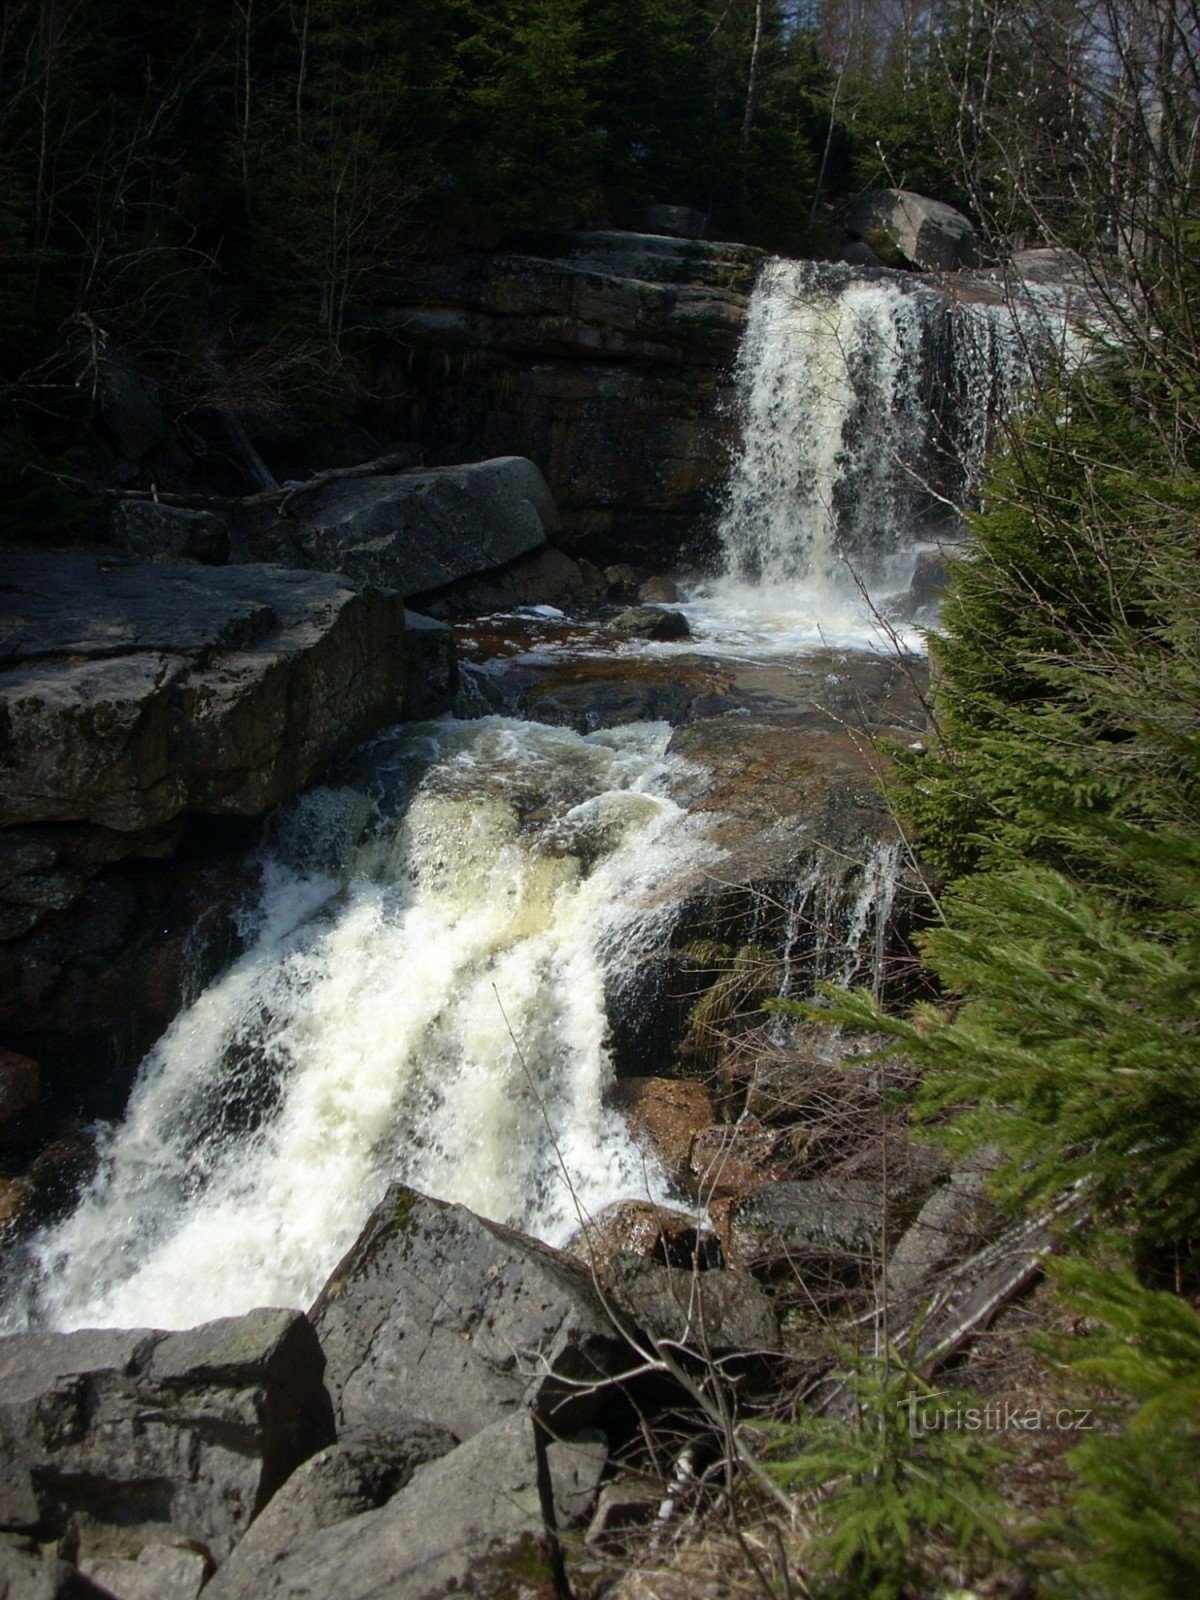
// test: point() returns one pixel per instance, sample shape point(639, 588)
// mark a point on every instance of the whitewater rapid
point(422, 998)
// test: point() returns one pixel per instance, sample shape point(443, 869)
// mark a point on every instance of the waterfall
point(867, 401)
point(422, 999)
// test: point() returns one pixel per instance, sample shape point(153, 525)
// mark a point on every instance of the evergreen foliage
point(892, 1498)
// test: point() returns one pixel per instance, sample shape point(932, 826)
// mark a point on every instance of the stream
point(445, 925)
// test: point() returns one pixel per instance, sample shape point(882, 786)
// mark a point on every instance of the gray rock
point(130, 409)
point(160, 1572)
point(136, 692)
point(929, 578)
point(419, 531)
point(136, 1434)
point(782, 1225)
point(859, 254)
point(927, 233)
point(650, 622)
point(1054, 266)
point(439, 1314)
point(472, 1522)
point(432, 676)
point(169, 533)
point(714, 1313)
point(954, 1222)
point(361, 1472)
point(26, 1575)
point(659, 590)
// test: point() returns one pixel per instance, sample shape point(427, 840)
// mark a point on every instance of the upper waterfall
point(867, 402)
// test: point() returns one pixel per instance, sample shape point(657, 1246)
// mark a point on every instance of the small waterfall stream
point(422, 993)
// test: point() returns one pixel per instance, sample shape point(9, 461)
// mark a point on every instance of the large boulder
point(478, 1521)
point(927, 233)
point(419, 531)
point(440, 1314)
point(136, 1437)
point(132, 693)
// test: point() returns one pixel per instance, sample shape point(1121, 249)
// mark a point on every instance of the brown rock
point(639, 1228)
point(622, 581)
point(664, 1116)
point(727, 1160)
point(658, 591)
point(20, 1082)
point(14, 1196)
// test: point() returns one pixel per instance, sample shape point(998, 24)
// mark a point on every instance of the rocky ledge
point(148, 713)
point(607, 359)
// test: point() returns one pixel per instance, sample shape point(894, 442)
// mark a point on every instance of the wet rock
point(649, 622)
point(20, 1081)
point(641, 1228)
point(421, 530)
point(134, 692)
point(432, 675)
point(929, 579)
point(658, 591)
point(61, 1169)
point(728, 1159)
point(134, 1435)
point(927, 233)
point(440, 1314)
point(587, 695)
point(713, 1313)
point(859, 254)
point(27, 1575)
point(92, 987)
point(550, 577)
point(622, 581)
point(361, 1472)
point(472, 1522)
point(160, 1572)
point(45, 868)
point(664, 1115)
point(169, 533)
point(15, 1196)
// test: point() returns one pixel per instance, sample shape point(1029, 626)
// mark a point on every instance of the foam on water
point(423, 998)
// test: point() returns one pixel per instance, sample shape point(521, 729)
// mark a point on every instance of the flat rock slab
point(137, 1434)
point(419, 531)
point(133, 692)
point(437, 1313)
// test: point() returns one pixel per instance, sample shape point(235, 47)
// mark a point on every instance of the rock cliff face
point(607, 361)
point(142, 707)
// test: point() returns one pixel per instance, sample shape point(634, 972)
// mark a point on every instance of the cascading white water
point(423, 998)
point(833, 420)
point(867, 404)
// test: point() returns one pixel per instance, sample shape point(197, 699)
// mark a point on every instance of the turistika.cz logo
point(930, 1414)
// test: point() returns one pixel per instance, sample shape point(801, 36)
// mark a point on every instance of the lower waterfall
point(422, 998)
